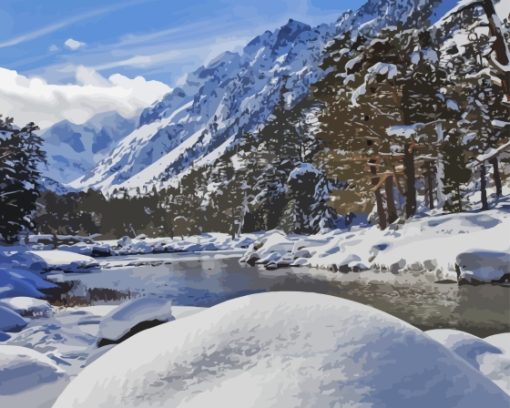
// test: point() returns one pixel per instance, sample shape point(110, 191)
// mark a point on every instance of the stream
point(210, 278)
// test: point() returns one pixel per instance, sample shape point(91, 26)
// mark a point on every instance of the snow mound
point(132, 317)
point(27, 306)
point(282, 349)
point(28, 378)
point(490, 360)
point(463, 344)
point(483, 266)
point(10, 321)
point(19, 282)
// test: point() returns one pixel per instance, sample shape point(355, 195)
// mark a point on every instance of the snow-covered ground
point(37, 362)
point(477, 242)
point(282, 349)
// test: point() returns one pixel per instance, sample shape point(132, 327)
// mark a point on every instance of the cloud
point(73, 44)
point(53, 48)
point(32, 99)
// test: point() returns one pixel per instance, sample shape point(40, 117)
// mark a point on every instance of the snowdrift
point(282, 349)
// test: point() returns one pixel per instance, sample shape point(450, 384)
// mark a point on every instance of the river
point(208, 279)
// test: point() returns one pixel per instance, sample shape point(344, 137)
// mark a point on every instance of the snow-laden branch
point(491, 153)
point(390, 71)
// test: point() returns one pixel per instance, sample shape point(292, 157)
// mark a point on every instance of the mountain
point(235, 93)
point(73, 150)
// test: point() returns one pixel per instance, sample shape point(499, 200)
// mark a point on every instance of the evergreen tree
point(20, 155)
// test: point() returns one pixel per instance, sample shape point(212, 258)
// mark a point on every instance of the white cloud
point(53, 48)
point(73, 44)
point(32, 99)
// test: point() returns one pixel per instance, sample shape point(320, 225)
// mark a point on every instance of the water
point(210, 279)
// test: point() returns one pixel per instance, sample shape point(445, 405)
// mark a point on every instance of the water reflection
point(481, 310)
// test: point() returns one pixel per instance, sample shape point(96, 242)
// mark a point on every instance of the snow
point(28, 378)
point(27, 306)
point(10, 321)
point(482, 354)
point(281, 349)
point(501, 341)
point(44, 260)
point(120, 321)
point(63, 260)
point(19, 282)
point(429, 244)
point(478, 265)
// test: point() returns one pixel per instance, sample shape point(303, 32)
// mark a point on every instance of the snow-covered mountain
point(73, 150)
point(236, 93)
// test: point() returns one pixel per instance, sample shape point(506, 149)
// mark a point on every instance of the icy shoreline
point(466, 247)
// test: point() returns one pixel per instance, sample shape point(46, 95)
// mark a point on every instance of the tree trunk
point(378, 197)
point(500, 48)
point(459, 198)
point(440, 198)
point(410, 181)
point(390, 200)
point(497, 177)
point(430, 185)
point(483, 187)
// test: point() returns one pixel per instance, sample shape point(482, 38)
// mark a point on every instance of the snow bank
point(282, 350)
point(61, 260)
point(27, 306)
point(44, 260)
point(10, 321)
point(488, 358)
point(133, 316)
point(19, 282)
point(432, 243)
point(28, 378)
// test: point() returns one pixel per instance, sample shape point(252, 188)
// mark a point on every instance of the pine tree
point(20, 155)
point(456, 174)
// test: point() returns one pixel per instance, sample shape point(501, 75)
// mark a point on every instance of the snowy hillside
point(234, 93)
point(73, 150)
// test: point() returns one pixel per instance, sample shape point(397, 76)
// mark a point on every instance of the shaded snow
point(28, 378)
point(482, 354)
point(282, 349)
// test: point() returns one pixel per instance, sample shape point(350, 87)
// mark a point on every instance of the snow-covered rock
point(132, 317)
point(483, 266)
point(282, 350)
point(28, 306)
point(28, 378)
point(10, 321)
point(490, 360)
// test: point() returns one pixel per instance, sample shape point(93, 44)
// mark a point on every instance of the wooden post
point(378, 197)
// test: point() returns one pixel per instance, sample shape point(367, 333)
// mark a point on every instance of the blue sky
point(158, 39)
